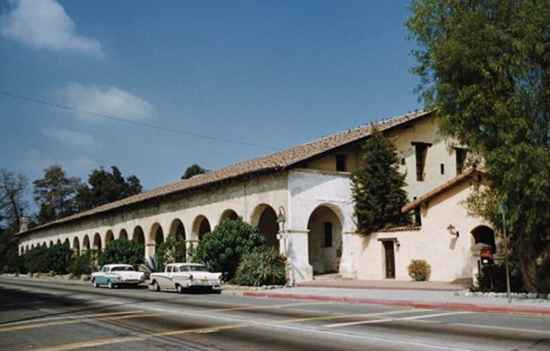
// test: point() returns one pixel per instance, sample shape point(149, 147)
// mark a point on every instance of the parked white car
point(113, 275)
point(181, 276)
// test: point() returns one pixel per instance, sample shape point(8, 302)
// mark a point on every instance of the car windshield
point(122, 268)
point(193, 269)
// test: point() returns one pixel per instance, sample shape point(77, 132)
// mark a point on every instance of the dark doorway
point(389, 254)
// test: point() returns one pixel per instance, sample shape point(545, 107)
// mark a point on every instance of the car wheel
point(179, 289)
point(110, 285)
point(95, 284)
point(154, 286)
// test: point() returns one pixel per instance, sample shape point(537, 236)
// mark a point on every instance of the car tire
point(154, 286)
point(179, 289)
point(110, 285)
point(95, 284)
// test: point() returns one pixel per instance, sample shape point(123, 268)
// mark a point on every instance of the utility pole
point(506, 252)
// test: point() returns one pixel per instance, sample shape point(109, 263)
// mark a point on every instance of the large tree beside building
point(378, 187)
point(485, 69)
point(12, 199)
point(104, 187)
point(55, 194)
point(12, 208)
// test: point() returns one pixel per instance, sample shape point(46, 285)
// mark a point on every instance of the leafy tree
point(222, 249)
point(485, 69)
point(377, 186)
point(12, 208)
point(122, 251)
point(81, 264)
point(55, 194)
point(193, 170)
point(104, 187)
point(170, 251)
point(12, 203)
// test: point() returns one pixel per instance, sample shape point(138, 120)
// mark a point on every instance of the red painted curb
point(407, 303)
point(377, 287)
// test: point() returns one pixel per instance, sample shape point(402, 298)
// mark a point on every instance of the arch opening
point(156, 235)
point(485, 236)
point(264, 218)
point(66, 243)
point(86, 243)
point(177, 230)
point(76, 246)
point(97, 243)
point(228, 215)
point(324, 240)
point(123, 234)
point(201, 227)
point(109, 237)
point(138, 236)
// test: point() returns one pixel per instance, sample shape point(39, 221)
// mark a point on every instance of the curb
point(407, 303)
point(374, 287)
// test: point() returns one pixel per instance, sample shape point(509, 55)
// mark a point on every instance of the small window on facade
point(403, 161)
point(442, 168)
point(341, 164)
point(421, 151)
point(461, 155)
point(328, 235)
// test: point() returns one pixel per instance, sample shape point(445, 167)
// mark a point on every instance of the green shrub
point(265, 267)
point(221, 250)
point(419, 270)
point(82, 264)
point(122, 251)
point(170, 251)
point(36, 260)
point(492, 278)
point(59, 258)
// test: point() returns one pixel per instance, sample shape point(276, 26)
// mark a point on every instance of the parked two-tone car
point(181, 276)
point(114, 275)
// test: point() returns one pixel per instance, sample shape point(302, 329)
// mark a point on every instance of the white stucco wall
point(450, 258)
point(308, 189)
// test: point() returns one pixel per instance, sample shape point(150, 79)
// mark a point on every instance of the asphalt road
point(59, 316)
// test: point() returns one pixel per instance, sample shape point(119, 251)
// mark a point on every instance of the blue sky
point(271, 73)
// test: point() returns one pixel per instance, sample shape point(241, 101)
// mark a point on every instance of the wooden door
point(390, 259)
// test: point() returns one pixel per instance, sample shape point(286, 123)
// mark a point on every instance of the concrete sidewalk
point(448, 300)
point(384, 284)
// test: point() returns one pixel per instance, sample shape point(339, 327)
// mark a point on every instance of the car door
point(166, 282)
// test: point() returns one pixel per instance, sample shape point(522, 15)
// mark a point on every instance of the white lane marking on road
point(386, 320)
point(283, 324)
point(77, 316)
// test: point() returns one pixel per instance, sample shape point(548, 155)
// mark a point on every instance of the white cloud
point(70, 137)
point(44, 24)
point(109, 101)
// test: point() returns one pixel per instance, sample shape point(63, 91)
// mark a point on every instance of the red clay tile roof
point(270, 163)
point(442, 188)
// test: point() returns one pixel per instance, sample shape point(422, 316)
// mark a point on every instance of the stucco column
point(190, 246)
point(149, 251)
point(297, 255)
point(347, 268)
